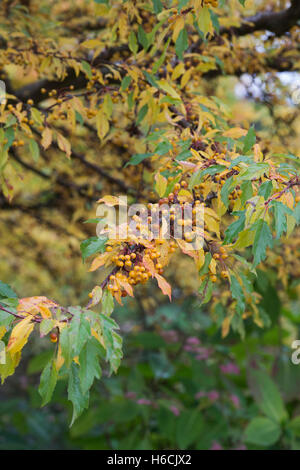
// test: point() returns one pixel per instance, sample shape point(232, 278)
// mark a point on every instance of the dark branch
point(276, 22)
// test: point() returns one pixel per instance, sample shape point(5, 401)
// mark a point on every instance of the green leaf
point(78, 329)
point(263, 239)
point(132, 42)
point(294, 426)
point(112, 342)
point(48, 382)
point(247, 191)
point(107, 303)
point(160, 61)
point(163, 147)
point(6, 319)
point(198, 176)
point(280, 211)
point(138, 158)
point(92, 245)
point(46, 326)
point(143, 38)
point(79, 399)
point(226, 190)
point(204, 269)
point(189, 428)
point(238, 294)
point(6, 291)
point(89, 360)
point(125, 83)
point(262, 432)
point(240, 159)
point(268, 397)
point(182, 43)
point(141, 114)
point(235, 228)
point(87, 68)
point(34, 150)
point(182, 4)
point(205, 291)
point(157, 6)
point(249, 140)
point(150, 79)
point(256, 170)
point(297, 213)
point(265, 189)
point(214, 20)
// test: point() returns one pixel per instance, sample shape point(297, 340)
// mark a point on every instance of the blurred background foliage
point(178, 373)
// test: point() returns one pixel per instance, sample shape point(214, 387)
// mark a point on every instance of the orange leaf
point(126, 286)
point(164, 285)
point(98, 261)
point(64, 144)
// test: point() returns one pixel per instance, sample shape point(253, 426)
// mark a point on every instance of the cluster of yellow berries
point(130, 269)
point(213, 3)
point(17, 143)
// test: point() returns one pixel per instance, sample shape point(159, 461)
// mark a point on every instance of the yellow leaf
point(46, 138)
point(45, 312)
point(95, 295)
point(102, 124)
point(161, 184)
point(91, 43)
point(59, 359)
point(177, 27)
point(32, 305)
point(2, 331)
point(179, 70)
point(165, 86)
point(185, 78)
point(19, 335)
point(113, 201)
point(64, 144)
point(185, 196)
point(226, 326)
point(212, 224)
point(204, 21)
point(235, 132)
point(11, 362)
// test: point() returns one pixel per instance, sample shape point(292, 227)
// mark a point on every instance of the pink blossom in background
point(189, 348)
point(216, 446)
point(175, 410)
point(235, 400)
point(170, 336)
point(144, 401)
point(230, 368)
point(202, 353)
point(130, 395)
point(193, 340)
point(213, 395)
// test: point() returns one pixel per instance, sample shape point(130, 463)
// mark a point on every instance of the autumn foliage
point(108, 98)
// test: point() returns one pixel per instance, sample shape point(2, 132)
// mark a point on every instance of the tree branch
point(276, 22)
